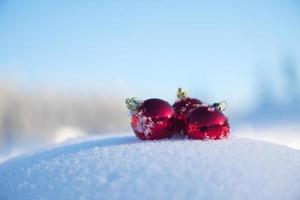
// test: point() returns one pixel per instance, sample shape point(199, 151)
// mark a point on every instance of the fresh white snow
point(287, 134)
point(124, 167)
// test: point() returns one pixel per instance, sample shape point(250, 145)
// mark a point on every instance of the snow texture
point(144, 124)
point(124, 167)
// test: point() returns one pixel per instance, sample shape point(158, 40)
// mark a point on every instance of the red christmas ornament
point(151, 119)
point(182, 108)
point(208, 122)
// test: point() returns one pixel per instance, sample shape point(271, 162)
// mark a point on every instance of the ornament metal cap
point(221, 106)
point(133, 103)
point(181, 93)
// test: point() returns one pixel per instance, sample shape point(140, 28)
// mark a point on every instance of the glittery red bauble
point(153, 119)
point(182, 107)
point(207, 122)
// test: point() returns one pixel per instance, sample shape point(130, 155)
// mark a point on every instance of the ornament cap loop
point(181, 93)
point(221, 106)
point(133, 103)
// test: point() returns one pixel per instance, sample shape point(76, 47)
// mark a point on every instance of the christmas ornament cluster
point(155, 119)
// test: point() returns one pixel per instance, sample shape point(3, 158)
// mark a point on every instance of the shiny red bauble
point(182, 108)
point(207, 122)
point(153, 119)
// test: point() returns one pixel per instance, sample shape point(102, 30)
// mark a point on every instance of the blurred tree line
point(273, 107)
point(37, 113)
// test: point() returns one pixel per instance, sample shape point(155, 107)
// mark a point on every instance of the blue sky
point(215, 49)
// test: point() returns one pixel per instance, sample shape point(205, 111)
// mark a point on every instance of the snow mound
point(127, 168)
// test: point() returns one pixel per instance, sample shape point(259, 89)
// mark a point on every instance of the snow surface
point(279, 133)
point(123, 167)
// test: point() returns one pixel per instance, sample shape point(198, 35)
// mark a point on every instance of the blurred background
point(67, 66)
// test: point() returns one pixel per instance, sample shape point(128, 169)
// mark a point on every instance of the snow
point(124, 167)
point(68, 132)
point(286, 134)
